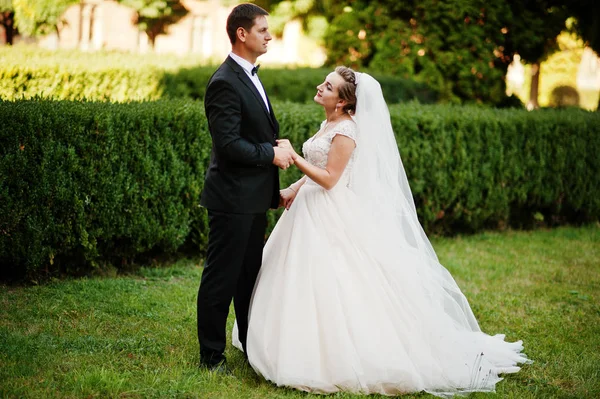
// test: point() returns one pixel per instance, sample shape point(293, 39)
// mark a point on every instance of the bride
point(351, 296)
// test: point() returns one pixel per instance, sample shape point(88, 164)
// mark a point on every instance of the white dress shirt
point(247, 67)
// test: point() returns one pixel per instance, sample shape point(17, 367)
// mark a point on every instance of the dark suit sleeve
point(223, 109)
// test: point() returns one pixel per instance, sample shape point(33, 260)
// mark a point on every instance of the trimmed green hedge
point(69, 75)
point(29, 72)
point(86, 183)
point(82, 183)
point(474, 168)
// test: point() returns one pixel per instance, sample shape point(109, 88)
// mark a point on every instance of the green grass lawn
point(135, 336)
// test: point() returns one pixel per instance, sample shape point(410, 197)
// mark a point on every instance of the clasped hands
point(284, 154)
point(284, 157)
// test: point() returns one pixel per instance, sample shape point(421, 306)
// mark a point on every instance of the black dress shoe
point(218, 368)
point(221, 368)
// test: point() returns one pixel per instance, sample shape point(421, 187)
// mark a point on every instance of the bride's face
point(327, 92)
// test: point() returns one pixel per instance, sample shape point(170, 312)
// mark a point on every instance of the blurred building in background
point(108, 25)
point(94, 25)
point(569, 77)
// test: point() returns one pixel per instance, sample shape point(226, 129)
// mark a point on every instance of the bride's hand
point(286, 197)
point(285, 144)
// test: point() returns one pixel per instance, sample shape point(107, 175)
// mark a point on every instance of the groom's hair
point(242, 15)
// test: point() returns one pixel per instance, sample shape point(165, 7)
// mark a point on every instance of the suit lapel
point(243, 77)
point(273, 120)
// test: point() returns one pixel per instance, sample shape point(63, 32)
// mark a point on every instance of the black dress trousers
point(233, 261)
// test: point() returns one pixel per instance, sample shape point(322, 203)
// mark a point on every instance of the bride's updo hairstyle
point(347, 91)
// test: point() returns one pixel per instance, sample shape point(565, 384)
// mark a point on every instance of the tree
point(451, 45)
point(7, 20)
point(532, 28)
point(40, 17)
point(313, 14)
point(154, 16)
point(587, 22)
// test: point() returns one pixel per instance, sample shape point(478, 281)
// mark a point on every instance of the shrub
point(472, 168)
point(69, 75)
point(85, 183)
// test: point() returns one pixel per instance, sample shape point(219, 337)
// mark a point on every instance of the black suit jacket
point(241, 177)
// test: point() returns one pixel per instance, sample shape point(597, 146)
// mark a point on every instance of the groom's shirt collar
point(247, 67)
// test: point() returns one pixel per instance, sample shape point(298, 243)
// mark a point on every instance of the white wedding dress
point(339, 306)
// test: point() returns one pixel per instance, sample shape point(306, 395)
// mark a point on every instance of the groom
point(241, 183)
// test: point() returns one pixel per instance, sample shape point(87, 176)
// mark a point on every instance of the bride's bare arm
point(339, 155)
point(288, 195)
point(298, 184)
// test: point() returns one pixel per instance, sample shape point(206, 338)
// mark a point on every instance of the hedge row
point(82, 183)
point(69, 75)
point(86, 183)
point(472, 168)
point(295, 85)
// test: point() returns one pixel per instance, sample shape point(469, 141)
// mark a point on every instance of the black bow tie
point(255, 70)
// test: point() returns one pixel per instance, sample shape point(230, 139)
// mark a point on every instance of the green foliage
point(95, 60)
point(309, 12)
point(449, 45)
point(69, 75)
point(533, 27)
point(472, 168)
point(86, 183)
point(6, 5)
point(299, 85)
point(460, 48)
point(39, 17)
point(154, 16)
point(82, 183)
point(116, 84)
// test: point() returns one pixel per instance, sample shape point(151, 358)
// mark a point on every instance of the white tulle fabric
point(351, 296)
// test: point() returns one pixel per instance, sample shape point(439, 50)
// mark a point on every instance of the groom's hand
point(283, 157)
point(285, 143)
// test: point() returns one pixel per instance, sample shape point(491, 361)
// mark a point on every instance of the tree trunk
point(153, 31)
point(535, 87)
point(152, 38)
point(8, 21)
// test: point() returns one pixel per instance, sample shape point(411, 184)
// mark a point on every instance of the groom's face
point(257, 39)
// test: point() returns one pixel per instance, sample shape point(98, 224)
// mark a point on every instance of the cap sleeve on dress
point(345, 128)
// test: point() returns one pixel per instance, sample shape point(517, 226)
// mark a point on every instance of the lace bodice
point(316, 149)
